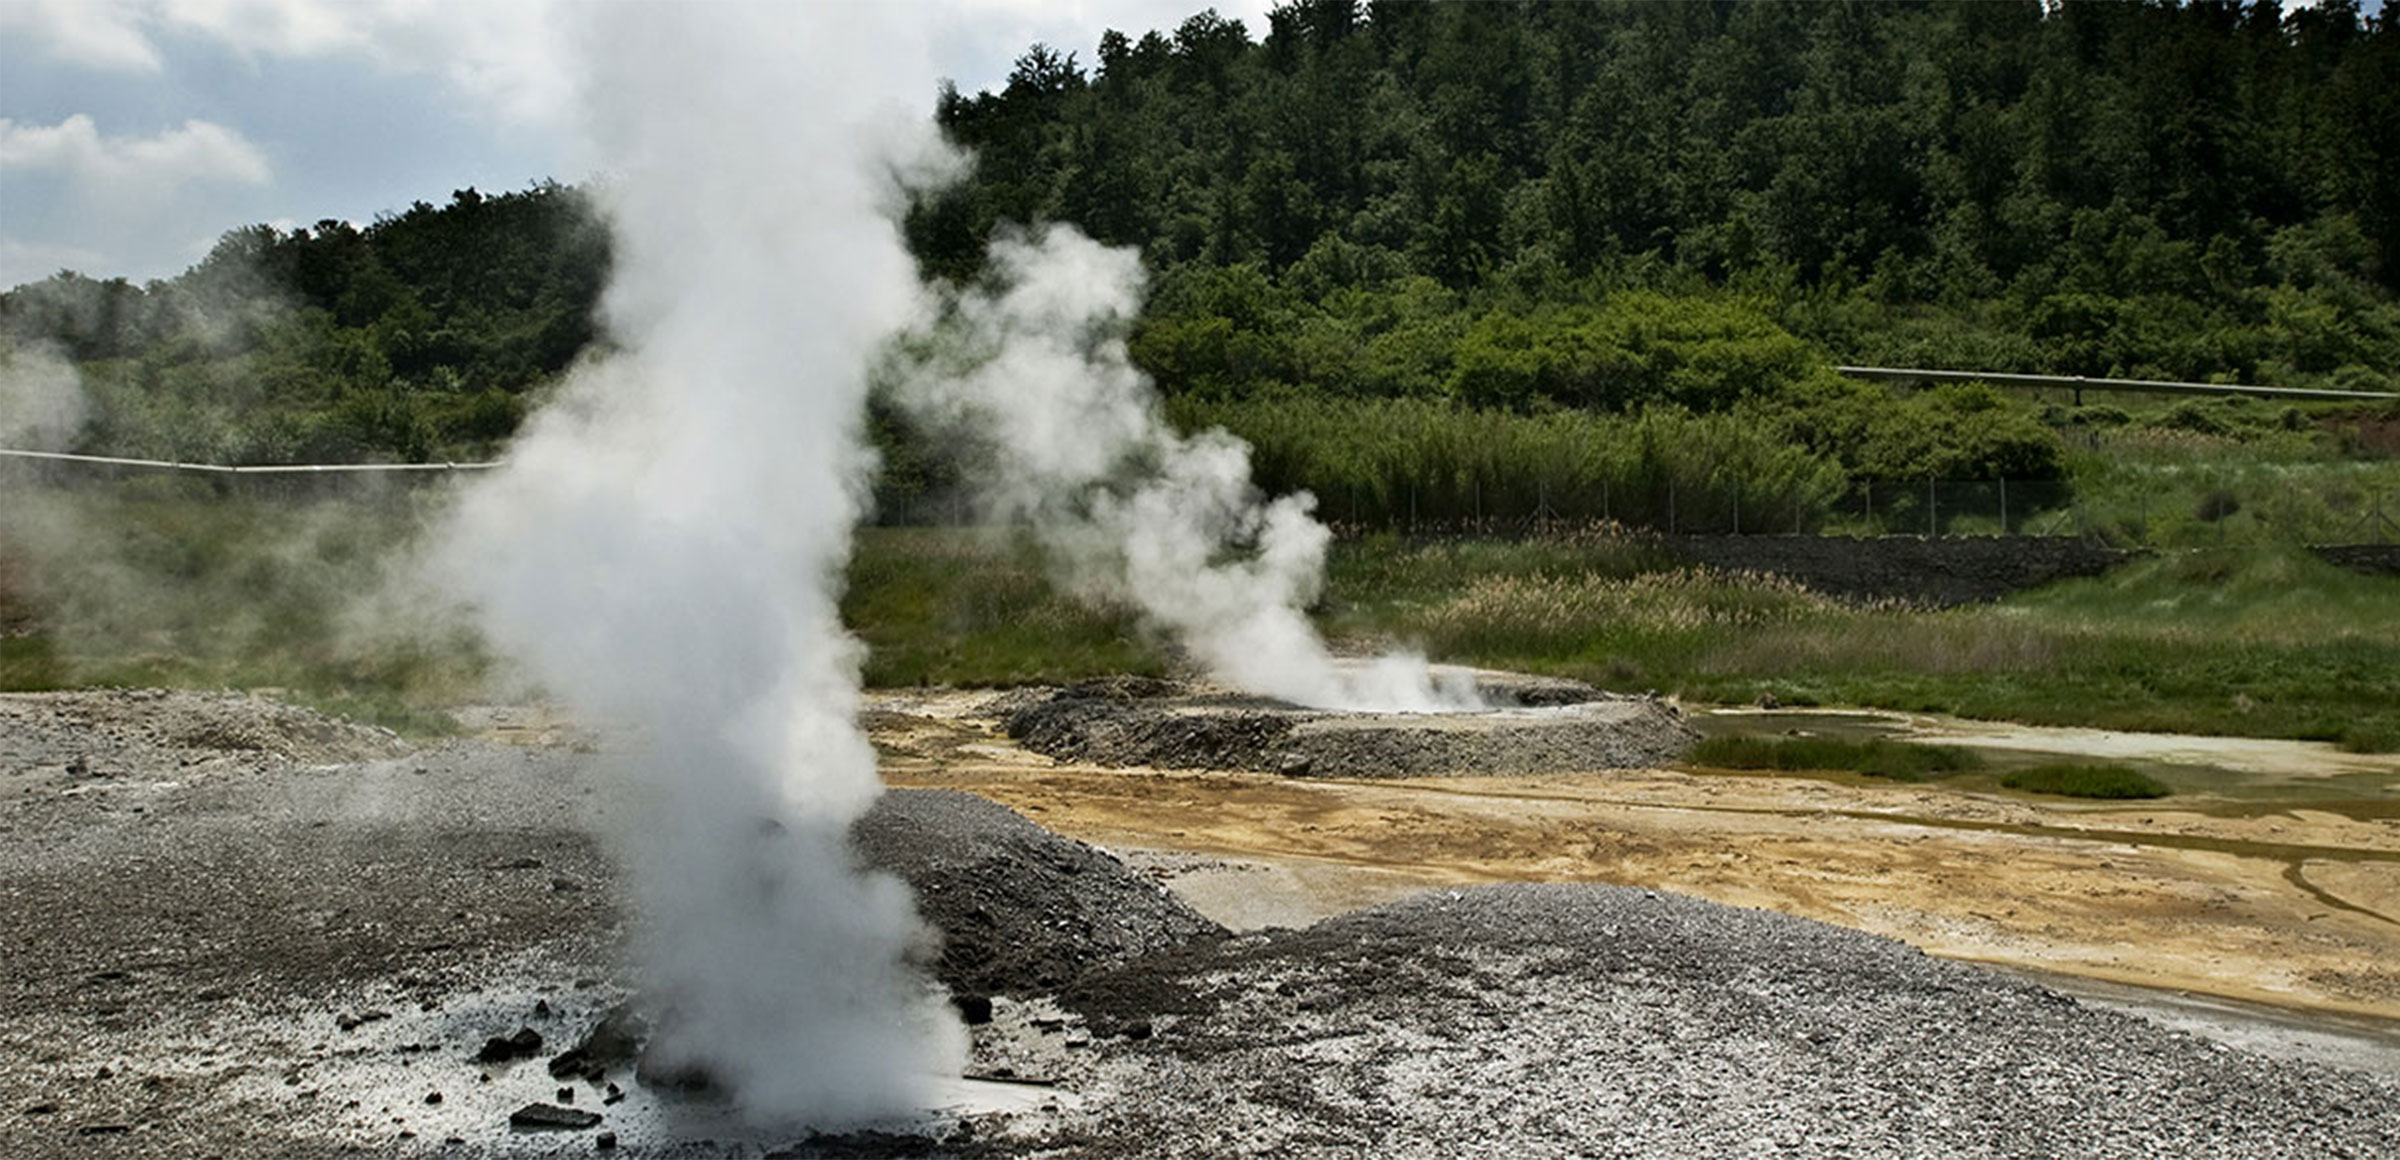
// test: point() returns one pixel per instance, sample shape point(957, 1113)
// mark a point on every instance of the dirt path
point(2299, 909)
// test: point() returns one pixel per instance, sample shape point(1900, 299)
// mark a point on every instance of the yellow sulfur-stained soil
point(2298, 908)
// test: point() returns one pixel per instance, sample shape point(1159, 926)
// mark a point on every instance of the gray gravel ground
point(1022, 911)
point(234, 952)
point(1577, 1020)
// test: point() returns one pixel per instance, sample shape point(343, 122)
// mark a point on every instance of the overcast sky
point(134, 132)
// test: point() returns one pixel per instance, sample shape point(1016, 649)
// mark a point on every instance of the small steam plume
point(1072, 443)
point(42, 405)
point(664, 546)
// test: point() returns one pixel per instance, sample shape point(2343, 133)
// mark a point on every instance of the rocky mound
point(1022, 911)
point(1604, 1021)
point(104, 731)
point(1552, 727)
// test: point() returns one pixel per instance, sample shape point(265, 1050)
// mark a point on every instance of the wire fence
point(2161, 511)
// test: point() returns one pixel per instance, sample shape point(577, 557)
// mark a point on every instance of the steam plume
point(664, 546)
point(41, 399)
point(1133, 511)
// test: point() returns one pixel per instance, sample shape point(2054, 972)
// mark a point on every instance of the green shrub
point(1890, 760)
point(2085, 781)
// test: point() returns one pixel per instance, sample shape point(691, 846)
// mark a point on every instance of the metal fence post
point(1933, 507)
point(2004, 507)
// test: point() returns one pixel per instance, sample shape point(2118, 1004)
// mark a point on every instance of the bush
point(1386, 462)
point(1890, 760)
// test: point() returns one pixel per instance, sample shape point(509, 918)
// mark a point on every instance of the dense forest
point(1553, 223)
point(417, 337)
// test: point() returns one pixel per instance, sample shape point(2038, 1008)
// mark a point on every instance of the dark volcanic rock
point(1022, 911)
point(612, 1043)
point(684, 1078)
point(551, 1117)
point(502, 1048)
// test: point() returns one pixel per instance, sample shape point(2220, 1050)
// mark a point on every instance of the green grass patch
point(30, 664)
point(945, 606)
point(1890, 760)
point(165, 585)
point(2085, 781)
point(2259, 642)
point(167, 582)
point(2372, 737)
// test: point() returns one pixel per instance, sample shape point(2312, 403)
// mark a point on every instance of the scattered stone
point(551, 1117)
point(615, 1095)
point(44, 1108)
point(433, 1097)
point(566, 1095)
point(103, 1129)
point(689, 1079)
point(79, 768)
point(541, 1008)
point(527, 863)
point(612, 1043)
point(605, 1142)
point(352, 1022)
point(565, 885)
point(503, 1048)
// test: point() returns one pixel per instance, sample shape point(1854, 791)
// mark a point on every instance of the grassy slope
point(2258, 642)
point(189, 590)
point(160, 583)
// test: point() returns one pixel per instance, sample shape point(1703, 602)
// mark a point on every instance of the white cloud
point(103, 34)
point(154, 166)
point(284, 28)
point(23, 261)
point(979, 50)
point(499, 54)
point(124, 204)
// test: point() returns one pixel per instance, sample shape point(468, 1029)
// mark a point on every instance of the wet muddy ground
point(2281, 902)
point(288, 939)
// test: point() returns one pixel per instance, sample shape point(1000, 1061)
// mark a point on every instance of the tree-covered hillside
point(414, 338)
point(2160, 190)
point(1599, 221)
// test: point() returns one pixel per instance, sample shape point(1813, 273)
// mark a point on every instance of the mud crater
point(1535, 725)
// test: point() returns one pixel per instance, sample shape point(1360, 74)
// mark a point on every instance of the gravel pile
point(1022, 911)
point(108, 731)
point(1550, 727)
point(1599, 1021)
